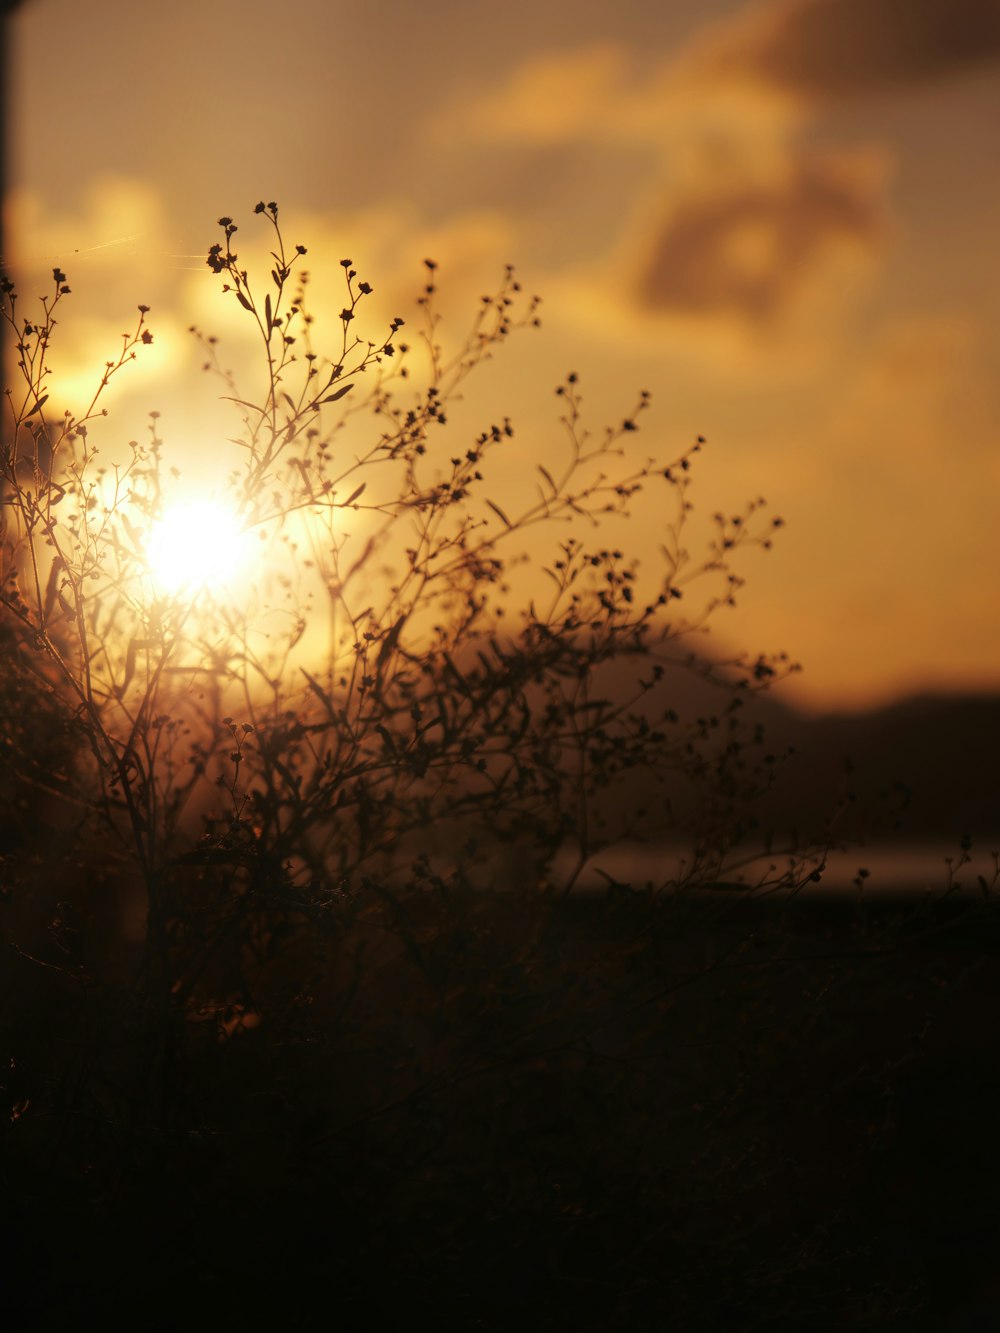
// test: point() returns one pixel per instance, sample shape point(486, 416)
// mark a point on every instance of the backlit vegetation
point(388, 661)
point(295, 839)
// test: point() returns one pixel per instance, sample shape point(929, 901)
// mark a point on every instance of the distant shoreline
point(894, 866)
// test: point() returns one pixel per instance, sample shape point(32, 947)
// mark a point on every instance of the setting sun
point(200, 544)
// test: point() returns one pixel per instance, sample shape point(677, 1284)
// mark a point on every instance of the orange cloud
point(754, 267)
point(740, 223)
point(746, 245)
point(737, 226)
point(832, 49)
point(551, 98)
point(116, 248)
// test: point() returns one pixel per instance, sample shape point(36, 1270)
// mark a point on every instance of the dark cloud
point(838, 48)
point(748, 251)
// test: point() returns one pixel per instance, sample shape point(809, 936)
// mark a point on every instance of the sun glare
point(201, 544)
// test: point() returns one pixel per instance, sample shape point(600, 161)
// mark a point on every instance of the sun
point(199, 544)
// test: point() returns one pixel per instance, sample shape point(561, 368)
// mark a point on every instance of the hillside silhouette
point(920, 768)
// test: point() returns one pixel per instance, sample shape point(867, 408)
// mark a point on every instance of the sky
point(780, 218)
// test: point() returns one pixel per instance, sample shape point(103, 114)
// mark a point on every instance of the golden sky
point(781, 218)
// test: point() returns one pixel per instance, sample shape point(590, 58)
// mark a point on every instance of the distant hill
point(944, 750)
point(923, 768)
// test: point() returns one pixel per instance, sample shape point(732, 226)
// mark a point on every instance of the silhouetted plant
point(358, 793)
point(429, 698)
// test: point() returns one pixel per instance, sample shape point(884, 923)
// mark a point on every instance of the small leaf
point(354, 494)
point(319, 691)
point(52, 588)
point(338, 393)
point(130, 530)
point(548, 477)
point(244, 302)
point(38, 406)
point(228, 398)
point(497, 510)
point(129, 668)
point(268, 321)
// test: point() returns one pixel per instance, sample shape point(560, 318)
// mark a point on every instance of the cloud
point(752, 259)
point(747, 247)
point(761, 69)
point(733, 217)
point(834, 49)
point(117, 248)
point(550, 98)
point(757, 63)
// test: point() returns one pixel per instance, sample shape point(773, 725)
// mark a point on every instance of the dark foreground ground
point(611, 1114)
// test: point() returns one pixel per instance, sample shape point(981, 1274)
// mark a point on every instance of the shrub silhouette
point(344, 809)
point(429, 699)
